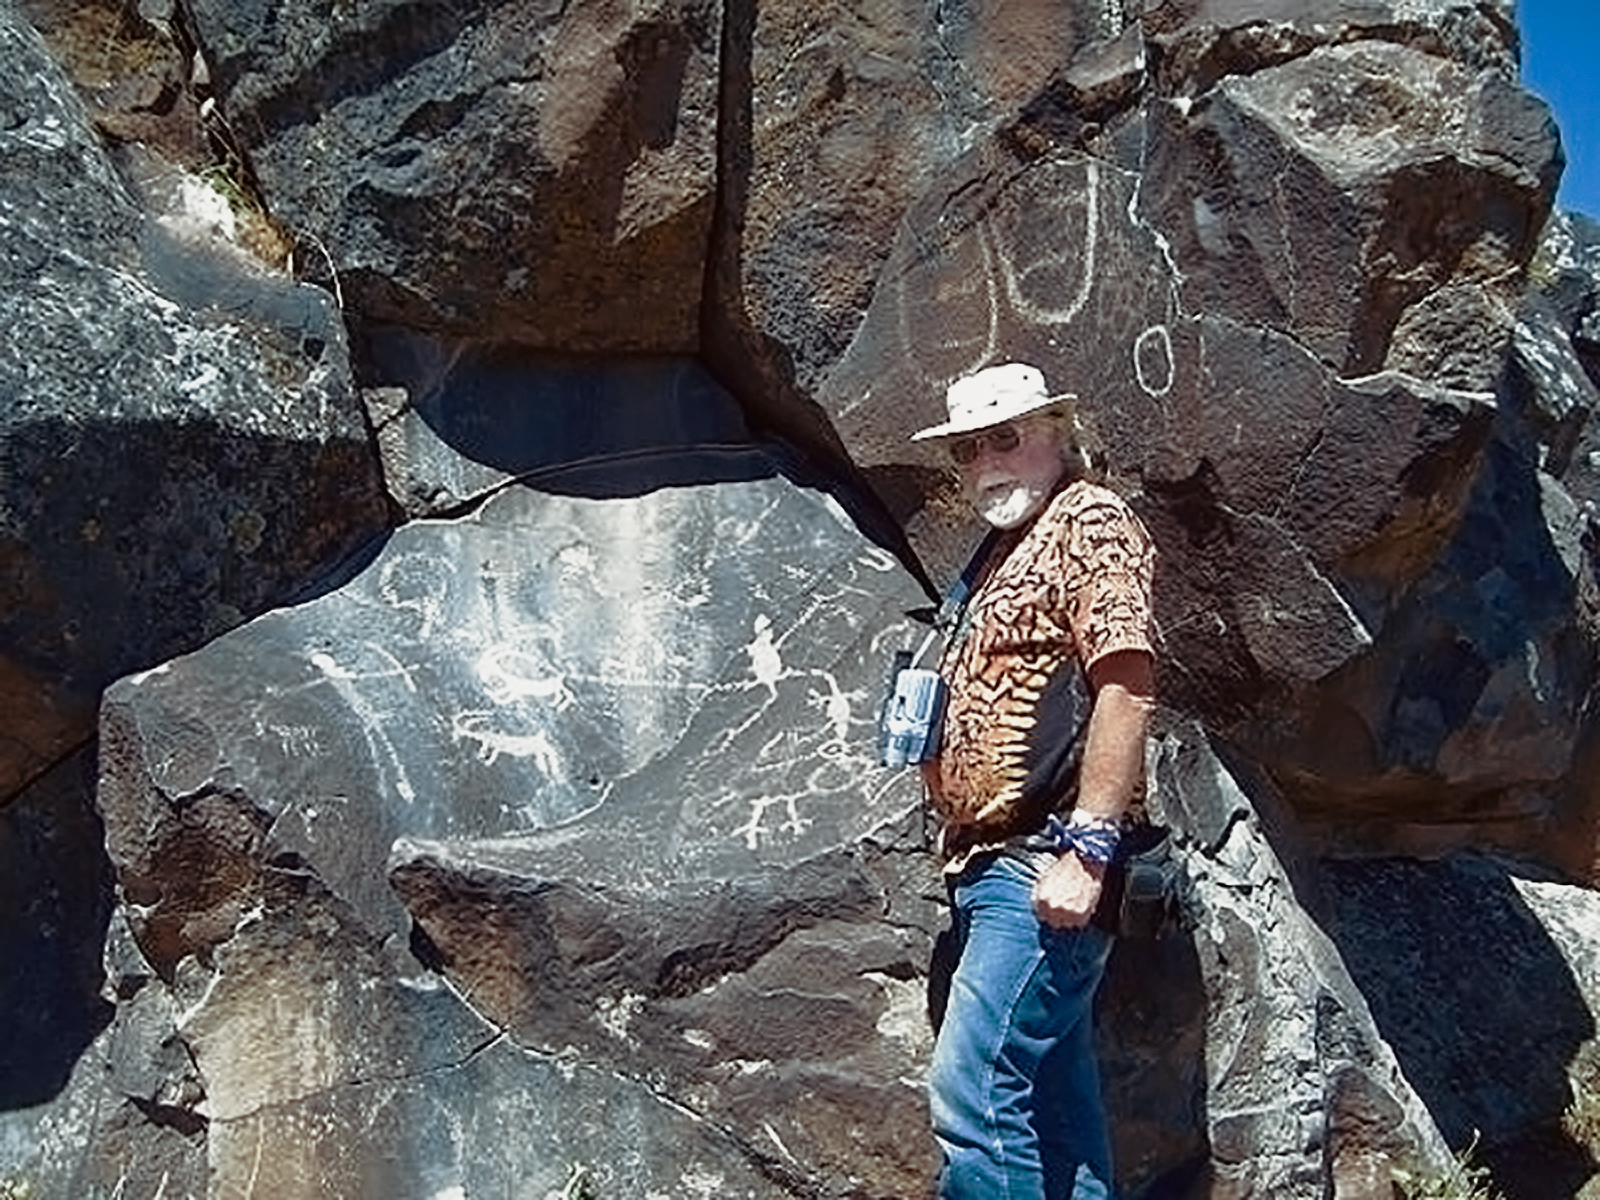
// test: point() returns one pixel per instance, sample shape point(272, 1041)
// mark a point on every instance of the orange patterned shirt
point(1054, 597)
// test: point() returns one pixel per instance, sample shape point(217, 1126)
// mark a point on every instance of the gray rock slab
point(546, 658)
point(502, 1123)
point(781, 1006)
point(1302, 1089)
point(644, 720)
point(180, 444)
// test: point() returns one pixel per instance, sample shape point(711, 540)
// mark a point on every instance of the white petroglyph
point(1049, 190)
point(942, 299)
point(614, 1016)
point(875, 558)
point(512, 674)
point(372, 720)
point(753, 830)
point(835, 705)
point(766, 664)
point(1152, 361)
point(796, 824)
point(475, 726)
point(419, 583)
point(295, 741)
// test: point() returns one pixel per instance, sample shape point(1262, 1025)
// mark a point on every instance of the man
point(1050, 673)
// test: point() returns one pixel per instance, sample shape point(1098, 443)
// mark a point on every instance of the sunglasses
point(1002, 439)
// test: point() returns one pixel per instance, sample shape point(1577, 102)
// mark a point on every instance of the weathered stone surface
point(128, 64)
point(1325, 196)
point(803, 1033)
point(1198, 42)
point(179, 444)
point(528, 170)
point(1448, 953)
point(851, 113)
point(671, 692)
point(1303, 1090)
point(482, 1118)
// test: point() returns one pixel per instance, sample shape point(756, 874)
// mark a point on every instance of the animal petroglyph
point(511, 674)
point(476, 727)
point(765, 661)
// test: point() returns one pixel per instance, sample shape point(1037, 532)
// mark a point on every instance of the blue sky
point(1560, 44)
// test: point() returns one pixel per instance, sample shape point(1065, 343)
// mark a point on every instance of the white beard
point(1007, 505)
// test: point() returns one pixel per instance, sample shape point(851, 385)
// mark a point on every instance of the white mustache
point(994, 481)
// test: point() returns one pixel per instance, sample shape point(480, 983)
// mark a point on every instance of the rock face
point(230, 391)
point(540, 846)
point(600, 733)
point(533, 171)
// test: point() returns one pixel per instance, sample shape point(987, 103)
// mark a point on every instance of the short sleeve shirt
point(1053, 599)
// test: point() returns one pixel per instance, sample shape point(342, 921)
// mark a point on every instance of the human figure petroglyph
point(419, 583)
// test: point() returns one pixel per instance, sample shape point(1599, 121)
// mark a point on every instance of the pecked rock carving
point(440, 662)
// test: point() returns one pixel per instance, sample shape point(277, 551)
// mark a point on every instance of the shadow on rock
point(574, 426)
point(457, 421)
point(1471, 991)
point(55, 905)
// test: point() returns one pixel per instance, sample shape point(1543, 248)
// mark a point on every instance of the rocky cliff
point(456, 512)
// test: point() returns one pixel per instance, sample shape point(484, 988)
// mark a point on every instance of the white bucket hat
point(993, 396)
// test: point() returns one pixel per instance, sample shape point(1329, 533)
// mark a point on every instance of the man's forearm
point(1113, 753)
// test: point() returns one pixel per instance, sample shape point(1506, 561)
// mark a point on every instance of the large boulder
point(527, 170)
point(616, 752)
point(181, 446)
point(1222, 230)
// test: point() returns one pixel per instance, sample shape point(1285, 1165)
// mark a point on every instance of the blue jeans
point(1014, 1088)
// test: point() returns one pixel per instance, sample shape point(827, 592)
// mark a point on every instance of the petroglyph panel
point(1043, 262)
point(1040, 262)
point(700, 664)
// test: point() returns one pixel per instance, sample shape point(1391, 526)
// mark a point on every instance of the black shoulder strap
point(955, 600)
point(950, 619)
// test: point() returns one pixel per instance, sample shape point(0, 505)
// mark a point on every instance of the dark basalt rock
point(515, 169)
point(1458, 1018)
point(600, 733)
point(549, 834)
point(180, 444)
